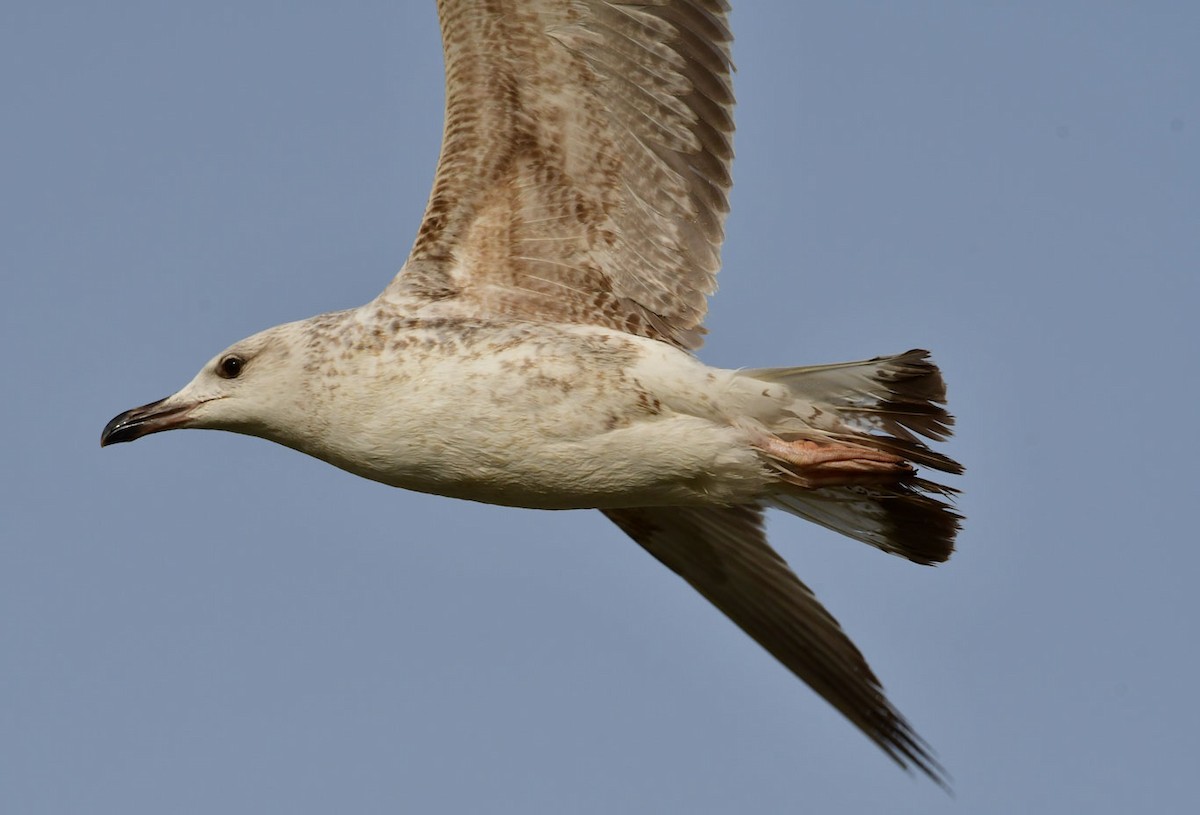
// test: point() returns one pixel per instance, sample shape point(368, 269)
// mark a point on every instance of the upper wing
point(585, 164)
point(723, 553)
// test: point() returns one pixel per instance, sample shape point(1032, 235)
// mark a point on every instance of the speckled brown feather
point(575, 221)
point(585, 165)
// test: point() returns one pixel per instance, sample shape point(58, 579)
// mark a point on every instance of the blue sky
point(201, 622)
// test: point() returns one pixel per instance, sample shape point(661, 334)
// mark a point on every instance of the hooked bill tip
point(141, 421)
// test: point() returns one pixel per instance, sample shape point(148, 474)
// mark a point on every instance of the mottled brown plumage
point(585, 164)
point(584, 178)
point(533, 349)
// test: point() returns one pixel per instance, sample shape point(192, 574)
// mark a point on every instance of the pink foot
point(830, 464)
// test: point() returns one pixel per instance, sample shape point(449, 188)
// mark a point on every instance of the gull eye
point(230, 366)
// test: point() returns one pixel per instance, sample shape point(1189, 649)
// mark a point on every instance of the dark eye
point(230, 366)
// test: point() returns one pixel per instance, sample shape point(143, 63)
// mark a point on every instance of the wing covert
point(585, 160)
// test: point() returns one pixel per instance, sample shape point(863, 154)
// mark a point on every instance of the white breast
point(540, 416)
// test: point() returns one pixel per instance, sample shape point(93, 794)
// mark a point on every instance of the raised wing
point(723, 553)
point(585, 164)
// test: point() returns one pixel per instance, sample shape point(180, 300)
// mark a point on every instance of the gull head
point(253, 387)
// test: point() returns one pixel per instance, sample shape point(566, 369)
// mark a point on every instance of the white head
point(254, 387)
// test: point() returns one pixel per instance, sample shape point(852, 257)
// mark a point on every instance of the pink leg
point(829, 464)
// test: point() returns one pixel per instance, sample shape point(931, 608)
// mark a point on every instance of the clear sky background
point(202, 623)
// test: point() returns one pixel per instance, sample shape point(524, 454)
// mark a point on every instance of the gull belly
point(538, 416)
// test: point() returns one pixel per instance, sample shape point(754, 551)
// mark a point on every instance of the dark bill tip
point(142, 421)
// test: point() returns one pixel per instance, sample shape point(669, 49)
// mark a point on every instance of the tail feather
point(902, 396)
point(886, 405)
point(902, 519)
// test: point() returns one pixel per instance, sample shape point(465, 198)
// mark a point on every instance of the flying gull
point(535, 348)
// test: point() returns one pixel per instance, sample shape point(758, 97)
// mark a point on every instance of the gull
point(535, 349)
